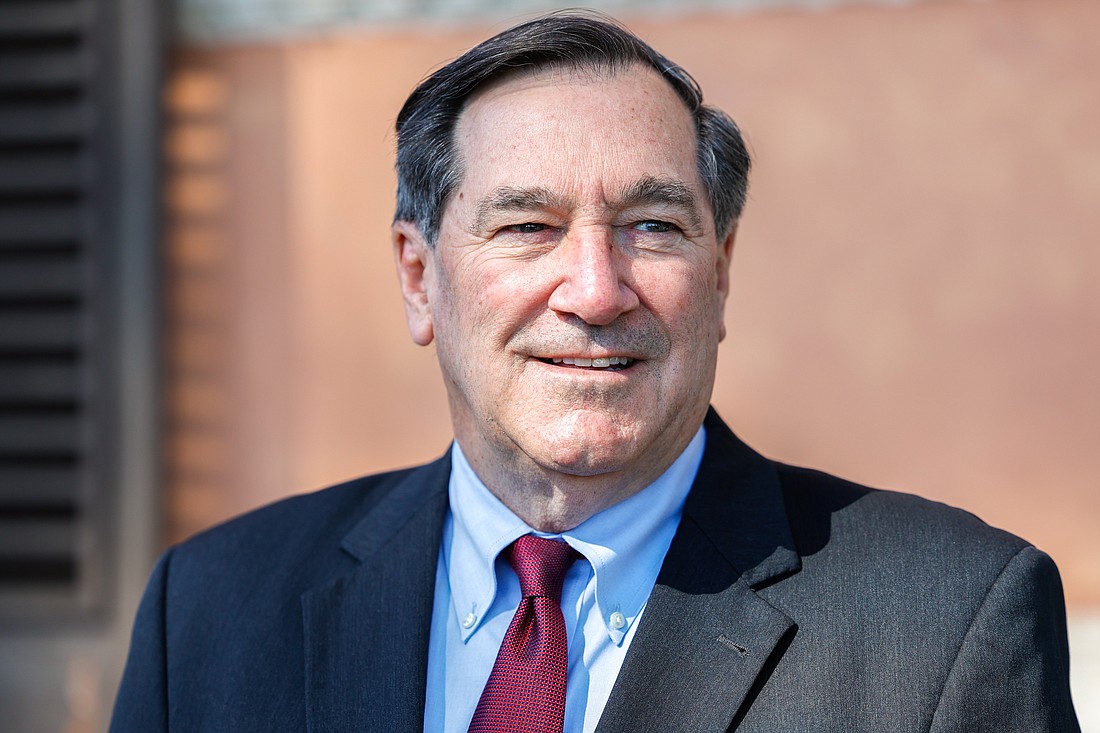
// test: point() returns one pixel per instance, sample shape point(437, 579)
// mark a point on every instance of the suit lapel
point(706, 637)
point(366, 634)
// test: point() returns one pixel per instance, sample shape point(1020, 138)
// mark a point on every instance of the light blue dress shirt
point(603, 597)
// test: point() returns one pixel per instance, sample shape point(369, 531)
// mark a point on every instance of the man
point(597, 551)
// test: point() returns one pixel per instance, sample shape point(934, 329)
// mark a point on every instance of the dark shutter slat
point(39, 382)
point(37, 551)
point(43, 122)
point(38, 331)
point(36, 538)
point(36, 68)
point(31, 224)
point(28, 486)
point(40, 172)
point(17, 574)
point(53, 278)
point(36, 18)
point(42, 435)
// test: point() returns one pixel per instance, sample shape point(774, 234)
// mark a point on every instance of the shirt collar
point(625, 544)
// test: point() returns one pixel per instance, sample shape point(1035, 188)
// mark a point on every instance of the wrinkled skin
point(580, 230)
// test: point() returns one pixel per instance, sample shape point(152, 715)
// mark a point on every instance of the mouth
point(601, 363)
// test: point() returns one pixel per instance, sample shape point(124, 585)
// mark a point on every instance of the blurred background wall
point(914, 284)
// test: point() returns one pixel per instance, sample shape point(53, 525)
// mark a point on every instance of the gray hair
point(428, 168)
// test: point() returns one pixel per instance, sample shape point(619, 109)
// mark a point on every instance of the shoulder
point(301, 516)
point(881, 519)
point(297, 536)
point(894, 575)
point(903, 546)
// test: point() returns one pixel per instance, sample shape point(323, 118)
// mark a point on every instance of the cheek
point(506, 288)
point(684, 298)
point(486, 304)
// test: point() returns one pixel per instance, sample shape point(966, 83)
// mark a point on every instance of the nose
point(591, 282)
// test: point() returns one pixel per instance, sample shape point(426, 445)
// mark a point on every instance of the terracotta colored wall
point(914, 284)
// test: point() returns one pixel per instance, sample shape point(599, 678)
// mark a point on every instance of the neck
point(557, 506)
point(554, 501)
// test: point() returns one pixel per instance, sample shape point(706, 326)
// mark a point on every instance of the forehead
point(576, 127)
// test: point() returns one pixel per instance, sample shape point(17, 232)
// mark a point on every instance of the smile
point(601, 362)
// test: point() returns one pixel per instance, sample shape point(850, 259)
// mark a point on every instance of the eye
point(529, 227)
point(528, 239)
point(652, 226)
point(652, 235)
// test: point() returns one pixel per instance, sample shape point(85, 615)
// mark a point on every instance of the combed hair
point(428, 166)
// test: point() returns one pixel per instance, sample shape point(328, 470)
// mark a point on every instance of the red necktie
point(526, 689)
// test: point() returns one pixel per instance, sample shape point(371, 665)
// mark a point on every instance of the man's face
point(576, 290)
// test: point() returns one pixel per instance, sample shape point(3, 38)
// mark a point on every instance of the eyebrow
point(646, 191)
point(651, 190)
point(507, 198)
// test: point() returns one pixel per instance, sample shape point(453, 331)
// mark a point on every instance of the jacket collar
point(366, 634)
point(707, 637)
point(737, 504)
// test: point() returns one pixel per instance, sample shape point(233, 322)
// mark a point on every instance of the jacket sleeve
point(142, 702)
point(1011, 673)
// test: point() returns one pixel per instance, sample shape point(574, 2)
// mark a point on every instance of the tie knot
point(541, 565)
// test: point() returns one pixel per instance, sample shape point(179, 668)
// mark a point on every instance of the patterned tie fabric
point(526, 689)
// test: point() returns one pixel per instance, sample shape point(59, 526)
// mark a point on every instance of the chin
point(594, 463)
point(585, 444)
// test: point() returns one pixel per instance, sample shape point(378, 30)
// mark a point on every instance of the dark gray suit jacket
point(789, 601)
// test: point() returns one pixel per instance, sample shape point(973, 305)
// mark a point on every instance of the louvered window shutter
point(56, 337)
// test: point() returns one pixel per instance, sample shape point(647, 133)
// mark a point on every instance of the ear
point(722, 263)
point(413, 258)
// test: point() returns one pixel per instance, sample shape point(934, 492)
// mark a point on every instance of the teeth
point(598, 362)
